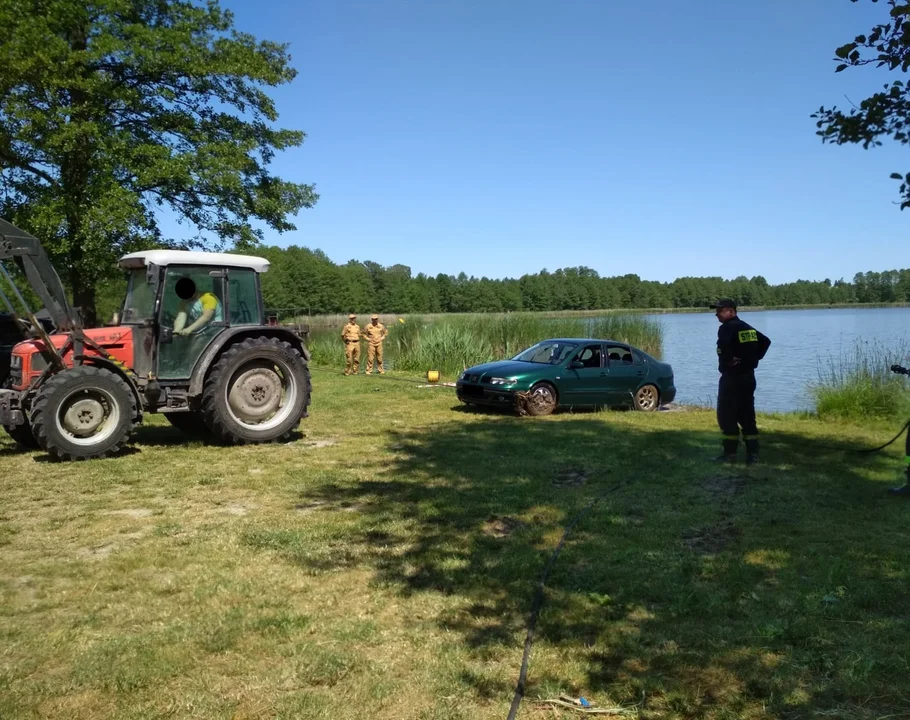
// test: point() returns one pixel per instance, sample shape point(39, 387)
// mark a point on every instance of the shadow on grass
point(701, 588)
point(169, 436)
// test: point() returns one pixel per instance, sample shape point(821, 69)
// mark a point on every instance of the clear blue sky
point(663, 138)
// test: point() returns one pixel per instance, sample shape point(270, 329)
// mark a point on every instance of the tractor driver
point(203, 307)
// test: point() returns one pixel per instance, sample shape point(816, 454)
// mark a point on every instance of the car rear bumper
point(668, 395)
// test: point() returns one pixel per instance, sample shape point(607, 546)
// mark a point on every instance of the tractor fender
point(234, 335)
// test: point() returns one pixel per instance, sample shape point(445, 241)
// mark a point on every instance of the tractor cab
point(164, 285)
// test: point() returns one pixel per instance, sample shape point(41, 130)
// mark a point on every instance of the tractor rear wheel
point(84, 412)
point(257, 392)
point(22, 434)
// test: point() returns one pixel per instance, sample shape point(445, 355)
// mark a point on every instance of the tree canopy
point(113, 109)
point(307, 280)
point(887, 112)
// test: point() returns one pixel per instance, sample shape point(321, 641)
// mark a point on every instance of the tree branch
point(14, 161)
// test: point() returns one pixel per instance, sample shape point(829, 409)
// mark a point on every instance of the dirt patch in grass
point(713, 539)
point(104, 550)
point(570, 477)
point(501, 527)
point(724, 486)
point(134, 512)
point(236, 509)
point(325, 442)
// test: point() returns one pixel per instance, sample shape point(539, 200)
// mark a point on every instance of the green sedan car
point(570, 372)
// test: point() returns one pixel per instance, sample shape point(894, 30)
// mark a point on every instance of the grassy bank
point(450, 344)
point(858, 384)
point(383, 565)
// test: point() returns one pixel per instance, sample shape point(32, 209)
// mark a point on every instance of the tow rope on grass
point(386, 377)
point(538, 600)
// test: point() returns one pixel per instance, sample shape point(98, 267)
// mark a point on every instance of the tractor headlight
point(15, 362)
point(503, 381)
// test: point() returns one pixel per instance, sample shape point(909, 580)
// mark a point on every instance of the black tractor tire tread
point(216, 416)
point(42, 417)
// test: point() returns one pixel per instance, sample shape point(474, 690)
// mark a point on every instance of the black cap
point(723, 303)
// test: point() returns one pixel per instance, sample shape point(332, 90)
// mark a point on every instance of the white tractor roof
point(189, 257)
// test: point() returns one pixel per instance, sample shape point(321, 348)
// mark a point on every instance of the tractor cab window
point(192, 308)
point(139, 304)
point(244, 297)
point(193, 293)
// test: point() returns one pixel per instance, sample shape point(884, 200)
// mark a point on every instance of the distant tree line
point(308, 279)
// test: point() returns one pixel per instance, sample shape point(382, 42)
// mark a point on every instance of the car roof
point(587, 340)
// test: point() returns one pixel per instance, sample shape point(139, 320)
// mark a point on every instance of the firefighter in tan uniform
point(375, 333)
point(350, 333)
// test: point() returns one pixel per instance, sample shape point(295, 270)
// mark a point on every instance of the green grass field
point(383, 564)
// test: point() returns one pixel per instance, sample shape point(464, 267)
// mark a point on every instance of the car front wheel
point(541, 399)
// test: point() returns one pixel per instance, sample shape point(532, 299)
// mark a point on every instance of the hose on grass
point(890, 442)
point(868, 451)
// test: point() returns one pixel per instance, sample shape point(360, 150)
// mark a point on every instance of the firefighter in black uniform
point(739, 348)
point(903, 490)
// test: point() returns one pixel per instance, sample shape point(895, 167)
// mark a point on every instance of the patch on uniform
point(748, 336)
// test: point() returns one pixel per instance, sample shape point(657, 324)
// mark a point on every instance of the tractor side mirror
point(167, 335)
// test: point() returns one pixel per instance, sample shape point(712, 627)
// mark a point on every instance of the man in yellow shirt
point(350, 333)
point(375, 333)
point(202, 307)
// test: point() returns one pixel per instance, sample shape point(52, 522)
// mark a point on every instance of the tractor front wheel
point(84, 412)
point(257, 392)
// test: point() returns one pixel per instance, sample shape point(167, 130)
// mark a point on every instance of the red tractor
point(192, 341)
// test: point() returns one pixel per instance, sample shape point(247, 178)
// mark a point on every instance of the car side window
point(589, 356)
point(621, 355)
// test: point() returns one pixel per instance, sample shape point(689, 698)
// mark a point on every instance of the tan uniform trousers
point(374, 352)
point(351, 357)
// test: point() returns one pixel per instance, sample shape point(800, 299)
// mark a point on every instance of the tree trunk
point(84, 299)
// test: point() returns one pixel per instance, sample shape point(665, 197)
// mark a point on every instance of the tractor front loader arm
point(29, 255)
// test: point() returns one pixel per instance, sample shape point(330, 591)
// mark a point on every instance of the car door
point(625, 371)
point(585, 385)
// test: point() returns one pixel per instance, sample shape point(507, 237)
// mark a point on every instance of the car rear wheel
point(647, 398)
point(541, 400)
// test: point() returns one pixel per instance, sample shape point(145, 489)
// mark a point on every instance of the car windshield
point(548, 352)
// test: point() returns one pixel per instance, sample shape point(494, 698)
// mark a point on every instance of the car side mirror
point(167, 335)
point(576, 364)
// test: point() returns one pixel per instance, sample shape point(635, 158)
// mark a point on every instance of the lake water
point(801, 342)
